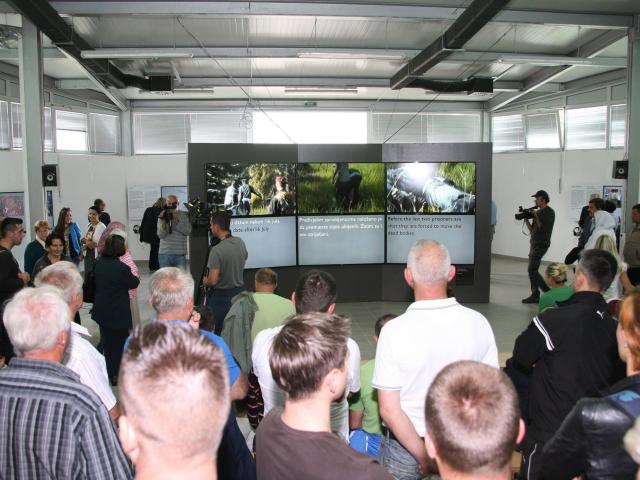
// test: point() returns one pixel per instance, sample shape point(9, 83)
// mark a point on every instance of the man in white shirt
point(80, 356)
point(315, 292)
point(434, 332)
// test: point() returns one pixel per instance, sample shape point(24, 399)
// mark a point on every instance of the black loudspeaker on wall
point(620, 169)
point(49, 175)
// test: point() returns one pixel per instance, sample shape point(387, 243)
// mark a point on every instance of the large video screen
point(433, 201)
point(252, 190)
point(341, 213)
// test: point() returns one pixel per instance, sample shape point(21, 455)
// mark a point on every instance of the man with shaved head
point(174, 387)
point(434, 332)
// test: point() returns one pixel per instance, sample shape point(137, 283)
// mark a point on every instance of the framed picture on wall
point(12, 204)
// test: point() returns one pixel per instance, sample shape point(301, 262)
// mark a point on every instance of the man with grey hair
point(171, 296)
point(170, 438)
point(434, 332)
point(53, 425)
point(81, 356)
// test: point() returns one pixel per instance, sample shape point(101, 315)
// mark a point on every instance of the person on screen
point(245, 193)
point(231, 197)
point(347, 182)
point(281, 202)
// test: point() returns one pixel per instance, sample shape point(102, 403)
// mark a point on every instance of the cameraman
point(540, 229)
point(173, 230)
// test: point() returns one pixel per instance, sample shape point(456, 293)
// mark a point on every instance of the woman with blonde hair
point(589, 441)
point(556, 277)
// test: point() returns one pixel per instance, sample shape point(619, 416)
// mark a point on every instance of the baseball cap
point(541, 194)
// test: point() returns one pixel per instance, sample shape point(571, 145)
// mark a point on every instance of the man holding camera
point(540, 226)
point(173, 230)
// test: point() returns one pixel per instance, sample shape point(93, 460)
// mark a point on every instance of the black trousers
point(153, 256)
point(536, 252)
point(113, 340)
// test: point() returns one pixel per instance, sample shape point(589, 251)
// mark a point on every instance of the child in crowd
point(364, 417)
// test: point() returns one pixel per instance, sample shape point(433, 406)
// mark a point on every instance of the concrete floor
point(505, 312)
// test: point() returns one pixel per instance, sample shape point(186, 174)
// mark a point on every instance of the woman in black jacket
point(589, 441)
point(111, 306)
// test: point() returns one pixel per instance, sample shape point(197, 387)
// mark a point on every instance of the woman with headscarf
point(604, 224)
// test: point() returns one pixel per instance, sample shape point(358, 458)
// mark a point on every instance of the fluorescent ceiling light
point(193, 89)
point(109, 53)
point(349, 56)
point(315, 91)
point(543, 60)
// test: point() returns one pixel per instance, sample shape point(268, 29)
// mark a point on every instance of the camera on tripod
point(524, 213)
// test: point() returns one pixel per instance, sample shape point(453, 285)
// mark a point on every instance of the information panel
point(270, 241)
point(456, 232)
point(340, 239)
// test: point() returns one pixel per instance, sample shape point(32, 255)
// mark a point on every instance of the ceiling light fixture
point(350, 56)
point(132, 53)
point(315, 91)
point(549, 60)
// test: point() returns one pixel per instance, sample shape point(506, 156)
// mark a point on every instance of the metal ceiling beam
point(200, 82)
point(48, 53)
point(328, 9)
point(548, 74)
point(470, 21)
point(344, 53)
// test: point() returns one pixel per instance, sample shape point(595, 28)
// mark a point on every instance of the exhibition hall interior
point(332, 135)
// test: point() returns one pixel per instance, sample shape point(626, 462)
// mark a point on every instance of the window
point(105, 133)
point(160, 133)
point(16, 126)
point(396, 128)
point(71, 131)
point(5, 128)
point(223, 127)
point(48, 130)
point(542, 131)
point(586, 128)
point(454, 128)
point(508, 133)
point(309, 127)
point(617, 125)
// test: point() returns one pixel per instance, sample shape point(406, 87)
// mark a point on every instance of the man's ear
point(62, 340)
point(431, 448)
point(452, 273)
point(331, 308)
point(128, 438)
point(408, 277)
point(521, 431)
point(293, 298)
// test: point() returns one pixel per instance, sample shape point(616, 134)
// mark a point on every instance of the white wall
point(83, 178)
point(516, 176)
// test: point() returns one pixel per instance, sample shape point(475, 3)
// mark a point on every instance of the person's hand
point(25, 277)
point(194, 319)
point(423, 463)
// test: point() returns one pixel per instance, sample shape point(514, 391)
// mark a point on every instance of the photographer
point(173, 230)
point(540, 226)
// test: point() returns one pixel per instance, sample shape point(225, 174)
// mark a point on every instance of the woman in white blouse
point(92, 235)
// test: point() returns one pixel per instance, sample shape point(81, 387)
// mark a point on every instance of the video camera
point(199, 212)
point(524, 213)
point(167, 216)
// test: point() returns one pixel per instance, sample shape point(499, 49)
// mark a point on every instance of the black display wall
point(368, 282)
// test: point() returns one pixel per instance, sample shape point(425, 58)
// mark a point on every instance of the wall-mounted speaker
point(620, 169)
point(49, 175)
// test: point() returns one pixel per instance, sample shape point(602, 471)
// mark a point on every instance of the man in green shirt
point(272, 309)
point(364, 415)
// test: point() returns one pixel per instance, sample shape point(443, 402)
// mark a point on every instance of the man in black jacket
point(574, 350)
point(11, 278)
point(149, 233)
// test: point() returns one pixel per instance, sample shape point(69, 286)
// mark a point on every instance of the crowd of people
point(433, 401)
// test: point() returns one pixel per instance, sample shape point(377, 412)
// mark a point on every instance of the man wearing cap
point(540, 227)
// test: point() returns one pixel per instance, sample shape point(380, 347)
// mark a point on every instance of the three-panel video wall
point(344, 213)
point(347, 207)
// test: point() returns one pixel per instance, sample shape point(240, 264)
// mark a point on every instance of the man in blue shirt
point(171, 296)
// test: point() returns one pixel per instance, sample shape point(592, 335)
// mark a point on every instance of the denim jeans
point(168, 260)
point(367, 443)
point(219, 299)
point(397, 461)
